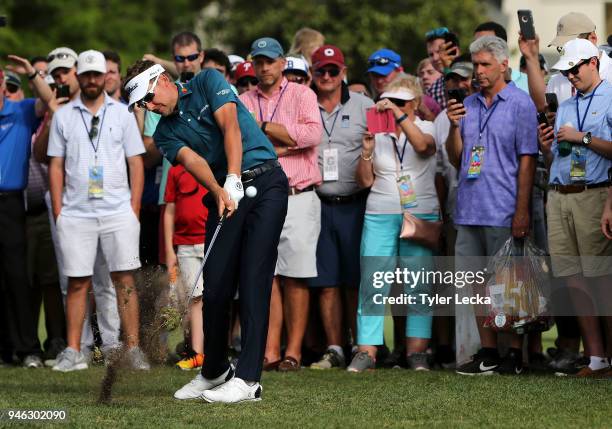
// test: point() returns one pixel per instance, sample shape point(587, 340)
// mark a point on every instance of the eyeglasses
point(93, 131)
point(12, 88)
point(59, 56)
point(574, 70)
point(296, 79)
point(149, 95)
point(437, 32)
point(398, 102)
point(332, 71)
point(247, 80)
point(182, 58)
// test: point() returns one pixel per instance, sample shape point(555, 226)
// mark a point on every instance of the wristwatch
point(586, 140)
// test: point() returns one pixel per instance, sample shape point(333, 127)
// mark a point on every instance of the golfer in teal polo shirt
point(206, 128)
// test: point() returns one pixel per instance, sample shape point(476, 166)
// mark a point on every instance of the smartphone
point(526, 24)
point(63, 91)
point(186, 76)
point(552, 102)
point(457, 94)
point(380, 122)
point(542, 119)
point(453, 49)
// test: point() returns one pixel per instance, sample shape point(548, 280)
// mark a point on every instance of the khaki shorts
point(297, 248)
point(575, 240)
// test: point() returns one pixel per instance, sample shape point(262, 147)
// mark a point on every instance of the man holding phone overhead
point(442, 48)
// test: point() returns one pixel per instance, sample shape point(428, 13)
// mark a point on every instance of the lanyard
point(586, 112)
point(400, 157)
point(97, 145)
point(276, 107)
point(481, 128)
point(329, 133)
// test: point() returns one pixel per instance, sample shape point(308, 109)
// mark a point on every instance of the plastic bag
point(517, 288)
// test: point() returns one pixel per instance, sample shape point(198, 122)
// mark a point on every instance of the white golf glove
point(234, 188)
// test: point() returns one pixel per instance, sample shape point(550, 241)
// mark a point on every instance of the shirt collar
point(282, 86)
point(503, 94)
point(344, 95)
point(8, 108)
point(78, 102)
point(183, 89)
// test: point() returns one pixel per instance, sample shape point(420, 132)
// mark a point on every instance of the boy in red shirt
point(184, 228)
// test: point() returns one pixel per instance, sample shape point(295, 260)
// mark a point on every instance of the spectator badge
point(95, 188)
point(408, 198)
point(330, 164)
point(476, 160)
point(578, 164)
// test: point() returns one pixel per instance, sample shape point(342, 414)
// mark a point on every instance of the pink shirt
point(294, 106)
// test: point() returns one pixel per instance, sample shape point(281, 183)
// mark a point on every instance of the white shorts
point(297, 249)
point(190, 257)
point(118, 236)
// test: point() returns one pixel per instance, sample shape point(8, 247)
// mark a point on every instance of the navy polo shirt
point(194, 125)
point(18, 122)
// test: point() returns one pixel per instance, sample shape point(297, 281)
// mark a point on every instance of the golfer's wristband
point(33, 75)
point(401, 119)
point(263, 127)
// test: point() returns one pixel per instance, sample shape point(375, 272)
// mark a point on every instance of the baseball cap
point(12, 78)
point(235, 60)
point(244, 69)
point(297, 65)
point(570, 26)
point(399, 94)
point(464, 69)
point(327, 54)
point(384, 61)
point(91, 60)
point(138, 86)
point(267, 47)
point(574, 51)
point(61, 58)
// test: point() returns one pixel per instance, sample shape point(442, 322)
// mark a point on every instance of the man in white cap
point(297, 70)
point(94, 205)
point(579, 151)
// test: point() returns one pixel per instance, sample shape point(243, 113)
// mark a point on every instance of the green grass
point(383, 398)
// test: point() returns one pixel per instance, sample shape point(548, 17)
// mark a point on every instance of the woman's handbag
point(421, 231)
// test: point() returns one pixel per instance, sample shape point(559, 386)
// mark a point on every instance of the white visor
point(398, 94)
point(138, 86)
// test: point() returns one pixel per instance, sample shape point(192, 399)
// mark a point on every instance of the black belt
point(295, 191)
point(4, 194)
point(343, 199)
point(576, 189)
point(252, 173)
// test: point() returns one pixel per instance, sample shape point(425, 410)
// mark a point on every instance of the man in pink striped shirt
point(288, 114)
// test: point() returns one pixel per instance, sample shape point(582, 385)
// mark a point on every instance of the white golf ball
point(251, 191)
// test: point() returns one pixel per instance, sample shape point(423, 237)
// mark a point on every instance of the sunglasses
point(296, 79)
point(574, 70)
point(246, 81)
point(398, 102)
point(60, 56)
point(182, 58)
point(148, 96)
point(12, 88)
point(331, 71)
point(93, 131)
point(437, 32)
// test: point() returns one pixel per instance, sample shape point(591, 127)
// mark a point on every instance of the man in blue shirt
point(580, 149)
point(18, 121)
point(208, 130)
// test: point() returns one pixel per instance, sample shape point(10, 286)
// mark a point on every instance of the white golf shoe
point(196, 387)
point(235, 390)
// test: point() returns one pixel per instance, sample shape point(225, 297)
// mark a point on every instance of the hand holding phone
point(62, 91)
point(552, 102)
point(542, 119)
point(458, 95)
point(380, 122)
point(525, 18)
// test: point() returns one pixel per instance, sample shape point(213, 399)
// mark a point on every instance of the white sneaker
point(197, 386)
point(235, 390)
point(70, 360)
point(33, 361)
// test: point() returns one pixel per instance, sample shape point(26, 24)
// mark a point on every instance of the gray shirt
point(343, 129)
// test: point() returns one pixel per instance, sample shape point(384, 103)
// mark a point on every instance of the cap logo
point(329, 52)
point(246, 66)
point(89, 59)
point(571, 63)
point(131, 88)
point(290, 64)
point(261, 44)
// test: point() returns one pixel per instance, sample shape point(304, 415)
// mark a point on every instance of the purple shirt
point(490, 200)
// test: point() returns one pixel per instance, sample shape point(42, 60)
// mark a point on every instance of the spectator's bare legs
point(275, 323)
point(370, 350)
point(488, 337)
point(296, 310)
point(331, 315)
point(416, 345)
point(584, 305)
point(197, 325)
point(76, 304)
point(127, 303)
point(350, 310)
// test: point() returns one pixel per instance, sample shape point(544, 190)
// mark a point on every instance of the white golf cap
point(399, 94)
point(91, 61)
point(574, 51)
point(138, 86)
point(235, 60)
point(61, 58)
point(296, 64)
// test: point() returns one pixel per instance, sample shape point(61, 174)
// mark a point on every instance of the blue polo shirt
point(598, 120)
point(194, 125)
point(18, 122)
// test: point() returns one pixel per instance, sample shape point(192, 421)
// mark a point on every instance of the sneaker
point(445, 357)
point(395, 359)
point(538, 363)
point(70, 360)
point(418, 361)
point(512, 363)
point(137, 360)
point(194, 362)
point(53, 348)
point(331, 359)
point(233, 391)
point(565, 362)
point(587, 372)
point(361, 362)
point(482, 363)
point(197, 386)
point(32, 361)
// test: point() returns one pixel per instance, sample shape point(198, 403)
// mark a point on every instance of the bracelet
point(33, 75)
point(401, 119)
point(367, 158)
point(263, 127)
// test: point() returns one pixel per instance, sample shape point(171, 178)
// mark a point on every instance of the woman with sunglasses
point(399, 167)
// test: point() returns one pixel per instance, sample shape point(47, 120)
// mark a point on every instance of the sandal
point(270, 366)
point(289, 364)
